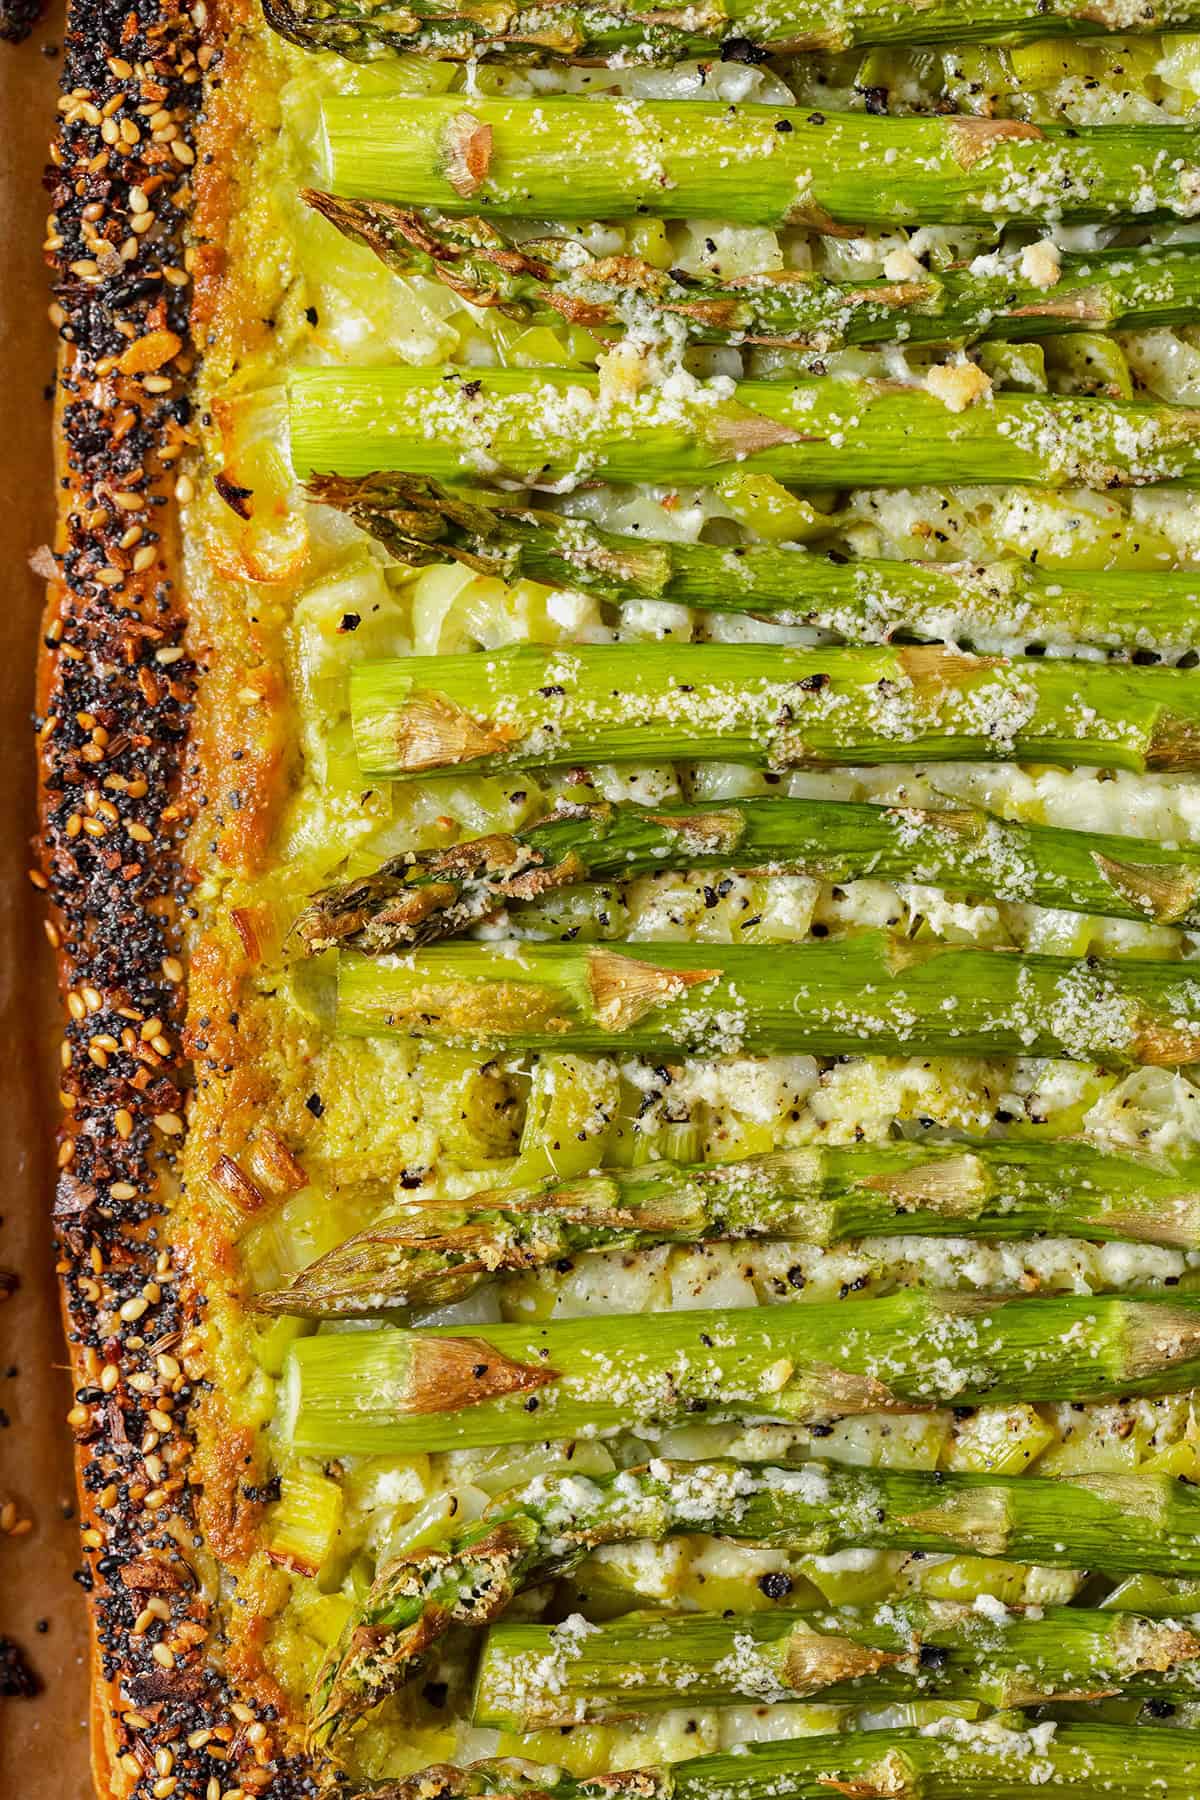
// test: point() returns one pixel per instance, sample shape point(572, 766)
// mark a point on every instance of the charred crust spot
point(236, 498)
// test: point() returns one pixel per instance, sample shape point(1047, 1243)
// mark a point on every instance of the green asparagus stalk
point(1123, 1524)
point(587, 31)
point(996, 1760)
point(773, 705)
point(589, 158)
point(420, 897)
point(822, 1194)
point(868, 600)
point(536, 1676)
point(553, 428)
point(393, 1392)
point(1158, 1596)
point(866, 994)
point(547, 280)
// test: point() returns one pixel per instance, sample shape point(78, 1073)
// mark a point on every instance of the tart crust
point(164, 1492)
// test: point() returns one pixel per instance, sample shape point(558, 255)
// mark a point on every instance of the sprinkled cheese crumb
point(958, 385)
point(901, 265)
point(1041, 263)
point(623, 372)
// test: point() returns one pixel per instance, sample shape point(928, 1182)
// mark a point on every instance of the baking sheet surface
point(43, 1741)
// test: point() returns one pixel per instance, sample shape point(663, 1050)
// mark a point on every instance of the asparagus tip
point(419, 520)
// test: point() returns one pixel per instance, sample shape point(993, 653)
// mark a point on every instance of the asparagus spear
point(393, 1392)
point(588, 158)
point(1117, 1524)
point(772, 705)
point(949, 1761)
point(863, 994)
point(587, 31)
point(865, 599)
point(536, 1676)
point(823, 1194)
point(546, 280)
point(420, 897)
point(553, 428)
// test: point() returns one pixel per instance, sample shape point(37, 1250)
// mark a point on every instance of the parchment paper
point(43, 1741)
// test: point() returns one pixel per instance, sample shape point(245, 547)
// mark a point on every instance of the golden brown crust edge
point(114, 702)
